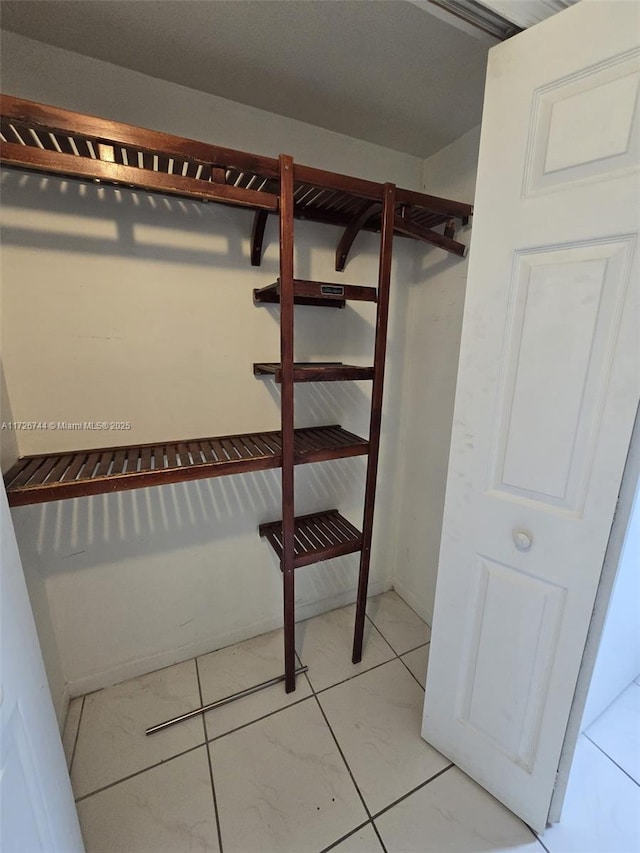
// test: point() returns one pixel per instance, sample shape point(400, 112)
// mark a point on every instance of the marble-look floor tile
point(418, 661)
point(167, 809)
point(601, 812)
point(399, 625)
point(282, 786)
point(111, 741)
point(364, 840)
point(238, 667)
point(452, 813)
point(71, 724)
point(324, 643)
point(617, 731)
point(376, 719)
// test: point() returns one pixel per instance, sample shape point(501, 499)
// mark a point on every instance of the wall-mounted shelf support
point(364, 214)
point(428, 235)
point(257, 236)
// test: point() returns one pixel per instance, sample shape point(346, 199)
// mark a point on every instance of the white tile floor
point(339, 764)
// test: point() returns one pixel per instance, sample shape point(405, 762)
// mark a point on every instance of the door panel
point(23, 803)
point(37, 812)
point(548, 387)
point(558, 367)
point(585, 126)
point(508, 711)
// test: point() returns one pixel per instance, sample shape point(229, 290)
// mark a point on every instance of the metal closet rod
point(220, 702)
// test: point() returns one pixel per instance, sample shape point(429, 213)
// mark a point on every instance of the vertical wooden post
point(286, 390)
point(384, 278)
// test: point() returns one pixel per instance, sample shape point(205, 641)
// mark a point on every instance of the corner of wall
point(434, 326)
point(8, 437)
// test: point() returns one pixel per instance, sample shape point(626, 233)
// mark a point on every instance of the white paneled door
point(37, 813)
point(548, 388)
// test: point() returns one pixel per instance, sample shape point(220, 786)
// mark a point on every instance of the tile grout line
point(258, 719)
point(375, 627)
point(415, 649)
point(377, 832)
point(206, 746)
point(138, 773)
point(421, 686)
point(397, 656)
point(339, 748)
point(346, 764)
point(615, 763)
point(408, 651)
point(364, 671)
point(344, 837)
point(375, 828)
point(412, 791)
point(75, 740)
point(351, 677)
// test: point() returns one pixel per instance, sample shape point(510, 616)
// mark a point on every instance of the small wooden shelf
point(56, 476)
point(323, 293)
point(318, 537)
point(315, 371)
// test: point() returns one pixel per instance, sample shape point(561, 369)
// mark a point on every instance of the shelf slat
point(319, 536)
point(320, 371)
point(72, 474)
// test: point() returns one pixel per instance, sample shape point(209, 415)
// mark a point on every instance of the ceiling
point(386, 71)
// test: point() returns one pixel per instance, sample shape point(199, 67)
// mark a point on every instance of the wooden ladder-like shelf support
point(301, 541)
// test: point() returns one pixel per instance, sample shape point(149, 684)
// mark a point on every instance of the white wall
point(618, 660)
point(8, 437)
point(436, 301)
point(125, 306)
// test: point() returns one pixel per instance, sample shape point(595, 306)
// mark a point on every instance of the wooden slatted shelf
point(48, 139)
point(55, 476)
point(323, 293)
point(315, 371)
point(319, 536)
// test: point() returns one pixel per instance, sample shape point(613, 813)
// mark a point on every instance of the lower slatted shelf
point(319, 536)
point(56, 476)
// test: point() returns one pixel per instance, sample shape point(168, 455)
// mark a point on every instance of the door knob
point(522, 540)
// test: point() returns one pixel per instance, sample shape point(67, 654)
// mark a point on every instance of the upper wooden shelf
point(323, 293)
point(315, 371)
point(61, 142)
point(55, 476)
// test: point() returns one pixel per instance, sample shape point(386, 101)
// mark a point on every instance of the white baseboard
point(142, 666)
point(414, 601)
